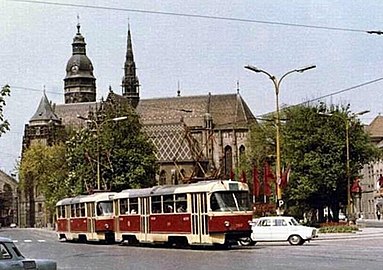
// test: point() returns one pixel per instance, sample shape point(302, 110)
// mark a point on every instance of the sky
point(197, 46)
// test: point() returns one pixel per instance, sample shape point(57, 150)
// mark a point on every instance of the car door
point(280, 230)
point(262, 230)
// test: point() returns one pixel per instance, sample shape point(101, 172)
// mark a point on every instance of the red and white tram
point(203, 213)
point(86, 218)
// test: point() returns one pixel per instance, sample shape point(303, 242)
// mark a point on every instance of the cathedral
point(202, 136)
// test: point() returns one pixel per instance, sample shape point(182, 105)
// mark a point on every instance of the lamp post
point(98, 129)
point(346, 120)
point(277, 83)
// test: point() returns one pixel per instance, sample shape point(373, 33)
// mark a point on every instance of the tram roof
point(202, 186)
point(102, 196)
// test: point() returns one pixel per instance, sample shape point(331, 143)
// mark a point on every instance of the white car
point(279, 228)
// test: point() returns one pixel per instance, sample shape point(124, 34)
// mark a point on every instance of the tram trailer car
point(86, 218)
point(204, 213)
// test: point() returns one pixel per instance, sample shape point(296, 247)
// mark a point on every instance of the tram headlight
point(106, 226)
point(227, 223)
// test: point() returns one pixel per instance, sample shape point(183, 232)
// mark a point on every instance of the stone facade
point(8, 199)
point(372, 192)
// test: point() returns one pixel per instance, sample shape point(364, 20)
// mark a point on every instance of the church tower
point(79, 83)
point(130, 83)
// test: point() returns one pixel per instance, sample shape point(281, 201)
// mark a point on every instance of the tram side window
point(61, 211)
point(168, 204)
point(133, 206)
point(124, 206)
point(156, 204)
point(82, 209)
point(73, 210)
point(104, 208)
point(181, 203)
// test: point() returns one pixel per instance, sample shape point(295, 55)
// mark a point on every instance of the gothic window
point(162, 180)
point(241, 154)
point(228, 161)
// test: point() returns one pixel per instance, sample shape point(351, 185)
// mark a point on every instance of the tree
point(261, 145)
point(43, 171)
point(4, 124)
point(314, 145)
point(122, 151)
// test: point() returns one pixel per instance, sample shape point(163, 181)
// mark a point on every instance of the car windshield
point(230, 201)
point(104, 208)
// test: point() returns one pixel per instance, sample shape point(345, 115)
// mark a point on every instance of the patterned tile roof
point(165, 119)
point(170, 141)
point(225, 110)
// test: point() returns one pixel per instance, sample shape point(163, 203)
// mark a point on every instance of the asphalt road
point(357, 251)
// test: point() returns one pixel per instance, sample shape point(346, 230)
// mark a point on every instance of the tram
point(204, 213)
point(86, 218)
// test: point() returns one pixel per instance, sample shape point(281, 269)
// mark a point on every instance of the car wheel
point(246, 241)
point(295, 240)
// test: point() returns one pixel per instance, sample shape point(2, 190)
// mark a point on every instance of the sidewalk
point(363, 232)
point(370, 223)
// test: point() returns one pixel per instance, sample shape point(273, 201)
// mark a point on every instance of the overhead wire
point(200, 16)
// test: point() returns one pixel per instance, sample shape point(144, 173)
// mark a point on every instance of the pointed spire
point(130, 83)
point(44, 113)
point(78, 24)
point(129, 49)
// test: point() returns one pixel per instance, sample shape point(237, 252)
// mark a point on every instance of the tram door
point(199, 217)
point(145, 209)
point(91, 218)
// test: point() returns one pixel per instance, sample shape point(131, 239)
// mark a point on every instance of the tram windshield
point(230, 201)
point(104, 208)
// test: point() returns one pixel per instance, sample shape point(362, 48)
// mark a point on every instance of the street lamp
point(346, 120)
point(277, 84)
point(98, 129)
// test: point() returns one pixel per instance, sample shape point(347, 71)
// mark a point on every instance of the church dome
point(79, 82)
point(79, 65)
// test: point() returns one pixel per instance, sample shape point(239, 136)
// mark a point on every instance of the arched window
point(241, 154)
point(162, 180)
point(228, 161)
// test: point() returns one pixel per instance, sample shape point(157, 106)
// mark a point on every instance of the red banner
point(268, 177)
point(256, 184)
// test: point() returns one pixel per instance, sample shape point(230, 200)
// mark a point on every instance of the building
point(195, 136)
point(372, 188)
point(8, 199)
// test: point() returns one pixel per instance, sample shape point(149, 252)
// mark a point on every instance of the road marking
point(30, 241)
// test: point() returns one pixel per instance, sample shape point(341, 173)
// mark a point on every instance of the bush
point(339, 229)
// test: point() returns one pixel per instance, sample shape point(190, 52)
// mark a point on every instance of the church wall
point(8, 191)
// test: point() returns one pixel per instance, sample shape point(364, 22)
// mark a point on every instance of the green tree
point(261, 145)
point(4, 124)
point(125, 156)
point(43, 171)
point(314, 145)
